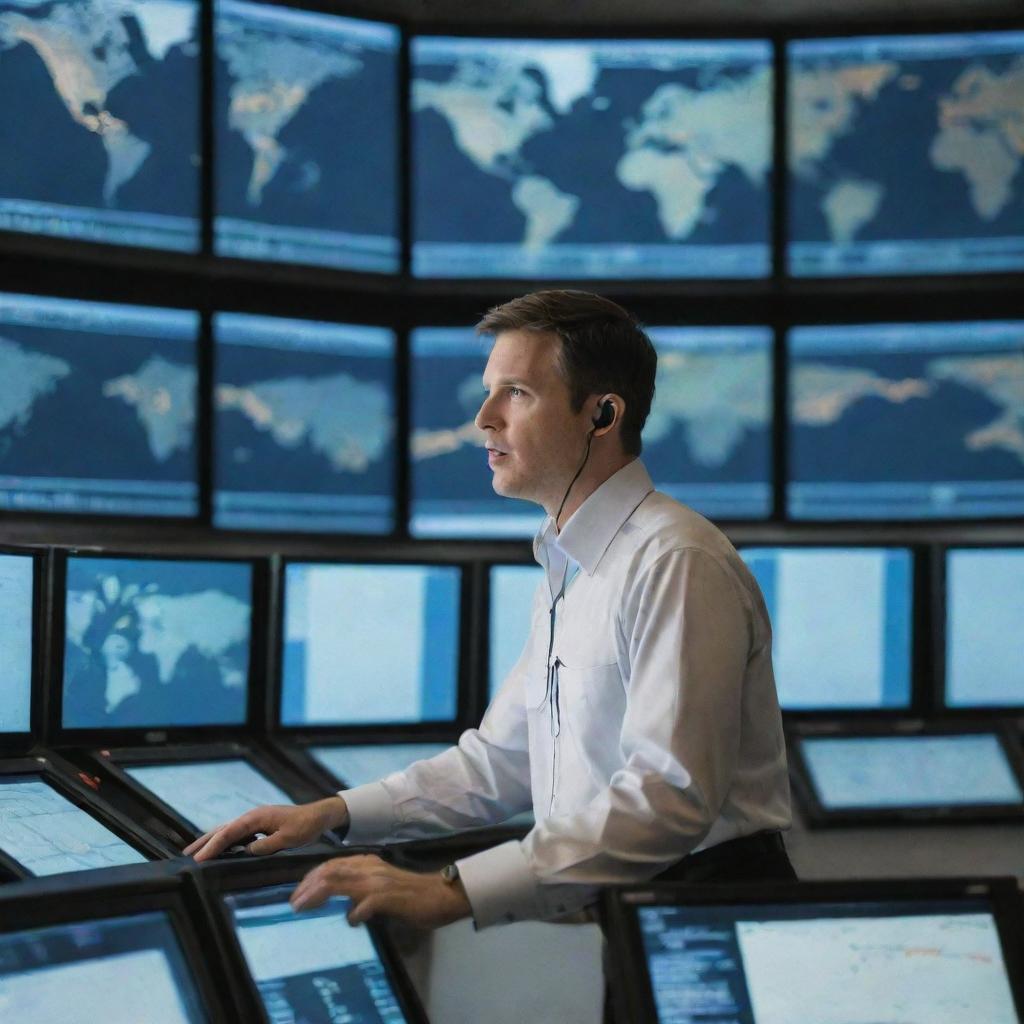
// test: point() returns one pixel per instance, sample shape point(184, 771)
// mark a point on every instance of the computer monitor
point(17, 604)
point(841, 624)
point(951, 774)
point(906, 421)
point(886, 132)
point(942, 951)
point(355, 765)
point(512, 591)
point(45, 833)
point(306, 128)
point(984, 634)
point(599, 158)
point(101, 405)
point(305, 425)
point(313, 965)
point(708, 439)
point(112, 92)
point(450, 479)
point(155, 642)
point(119, 970)
point(207, 793)
point(369, 643)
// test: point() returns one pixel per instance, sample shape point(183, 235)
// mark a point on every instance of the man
point(641, 722)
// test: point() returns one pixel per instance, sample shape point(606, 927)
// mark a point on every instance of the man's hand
point(283, 827)
point(423, 900)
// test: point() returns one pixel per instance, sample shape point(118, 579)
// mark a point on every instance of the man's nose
point(485, 415)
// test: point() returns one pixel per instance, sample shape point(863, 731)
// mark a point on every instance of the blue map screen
point(841, 624)
point(357, 765)
point(936, 960)
point(208, 793)
point(985, 627)
point(452, 494)
point(600, 158)
point(512, 591)
point(910, 771)
point(907, 421)
point(306, 122)
point(99, 408)
point(313, 965)
point(708, 439)
point(156, 642)
point(106, 123)
point(370, 643)
point(16, 597)
point(905, 155)
point(114, 969)
point(305, 425)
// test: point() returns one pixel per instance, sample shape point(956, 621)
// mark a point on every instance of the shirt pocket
point(594, 705)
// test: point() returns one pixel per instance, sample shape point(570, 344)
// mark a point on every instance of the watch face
point(450, 873)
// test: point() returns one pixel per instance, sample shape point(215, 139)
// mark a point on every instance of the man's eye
point(515, 392)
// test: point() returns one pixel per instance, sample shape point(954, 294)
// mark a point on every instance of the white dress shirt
point(650, 730)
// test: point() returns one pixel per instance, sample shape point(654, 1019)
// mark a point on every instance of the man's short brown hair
point(604, 349)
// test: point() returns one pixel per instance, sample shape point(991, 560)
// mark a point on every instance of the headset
point(605, 418)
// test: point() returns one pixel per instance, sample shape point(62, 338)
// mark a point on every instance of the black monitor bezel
point(918, 649)
point(213, 881)
point(13, 743)
point(940, 637)
point(114, 762)
point(61, 777)
point(139, 889)
point(630, 979)
point(59, 735)
point(375, 730)
point(818, 816)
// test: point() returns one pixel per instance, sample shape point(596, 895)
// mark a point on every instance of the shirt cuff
point(500, 886)
point(371, 814)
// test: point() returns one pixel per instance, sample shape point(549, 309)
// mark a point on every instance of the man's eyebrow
point(505, 382)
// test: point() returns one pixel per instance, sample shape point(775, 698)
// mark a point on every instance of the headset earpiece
point(606, 416)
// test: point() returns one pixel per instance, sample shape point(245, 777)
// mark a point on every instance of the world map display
point(156, 643)
point(907, 421)
point(306, 120)
point(16, 612)
point(305, 425)
point(906, 153)
point(112, 86)
point(98, 408)
point(564, 158)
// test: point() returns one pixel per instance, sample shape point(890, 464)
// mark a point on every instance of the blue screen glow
point(841, 624)
point(370, 643)
point(357, 765)
point(16, 596)
point(512, 592)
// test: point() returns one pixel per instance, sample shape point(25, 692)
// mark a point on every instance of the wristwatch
point(450, 873)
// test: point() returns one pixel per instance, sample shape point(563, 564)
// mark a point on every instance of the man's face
point(535, 441)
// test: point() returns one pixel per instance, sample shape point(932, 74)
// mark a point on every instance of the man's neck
point(590, 480)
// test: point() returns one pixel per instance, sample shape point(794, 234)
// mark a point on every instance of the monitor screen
point(16, 604)
point(984, 627)
point(450, 479)
point(152, 642)
point(314, 965)
point(306, 129)
point(357, 765)
point(903, 157)
point(110, 90)
point(892, 772)
point(118, 970)
point(99, 407)
point(208, 793)
point(513, 588)
point(708, 439)
point(841, 624)
point(939, 961)
point(47, 834)
point(305, 425)
point(594, 158)
point(370, 643)
point(906, 421)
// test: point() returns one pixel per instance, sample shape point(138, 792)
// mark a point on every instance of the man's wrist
point(335, 812)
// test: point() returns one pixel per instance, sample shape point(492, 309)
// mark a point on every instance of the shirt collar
point(593, 526)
